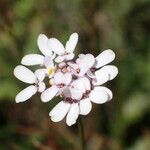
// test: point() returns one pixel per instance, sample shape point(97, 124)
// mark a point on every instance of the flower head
point(78, 82)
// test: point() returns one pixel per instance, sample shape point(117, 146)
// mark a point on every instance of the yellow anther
point(51, 71)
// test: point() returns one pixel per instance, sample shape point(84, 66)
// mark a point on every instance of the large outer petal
point(101, 76)
point(26, 94)
point(59, 111)
point(72, 114)
point(104, 58)
point(24, 74)
point(32, 59)
point(99, 96)
point(112, 71)
point(71, 43)
point(43, 45)
point(85, 106)
point(48, 94)
point(56, 46)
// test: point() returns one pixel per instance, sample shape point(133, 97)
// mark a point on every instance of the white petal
point(69, 56)
point(26, 94)
point(108, 91)
point(40, 74)
point(58, 77)
point(98, 96)
point(102, 76)
point(59, 111)
point(87, 60)
point(59, 59)
point(79, 85)
point(81, 55)
point(32, 59)
point(67, 78)
point(43, 45)
point(72, 42)
point(104, 58)
point(48, 94)
point(24, 74)
point(72, 114)
point(112, 71)
point(56, 46)
point(85, 106)
point(76, 93)
point(41, 87)
point(86, 83)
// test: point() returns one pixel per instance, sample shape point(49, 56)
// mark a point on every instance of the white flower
point(64, 53)
point(59, 83)
point(27, 76)
point(106, 73)
point(77, 101)
point(78, 81)
point(37, 59)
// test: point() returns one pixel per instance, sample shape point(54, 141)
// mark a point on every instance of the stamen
point(51, 71)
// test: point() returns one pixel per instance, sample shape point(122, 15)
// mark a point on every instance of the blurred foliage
point(123, 26)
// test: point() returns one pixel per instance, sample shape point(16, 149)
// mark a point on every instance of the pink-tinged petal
point(75, 93)
point(67, 78)
point(69, 56)
point(98, 96)
point(58, 78)
point(60, 58)
point(26, 94)
point(101, 76)
point(83, 70)
point(32, 59)
point(24, 74)
point(104, 58)
point(48, 94)
point(48, 62)
point(62, 64)
point(78, 84)
point(112, 71)
point(90, 74)
point(56, 46)
point(41, 87)
point(73, 65)
point(40, 74)
point(59, 111)
point(72, 114)
point(71, 43)
point(85, 106)
point(42, 42)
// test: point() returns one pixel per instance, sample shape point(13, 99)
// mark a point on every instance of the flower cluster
point(78, 82)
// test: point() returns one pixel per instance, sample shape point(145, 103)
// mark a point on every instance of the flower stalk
point(81, 133)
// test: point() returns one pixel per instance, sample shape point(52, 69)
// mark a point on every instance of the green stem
point(81, 133)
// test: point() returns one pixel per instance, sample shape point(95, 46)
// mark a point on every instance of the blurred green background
point(124, 26)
